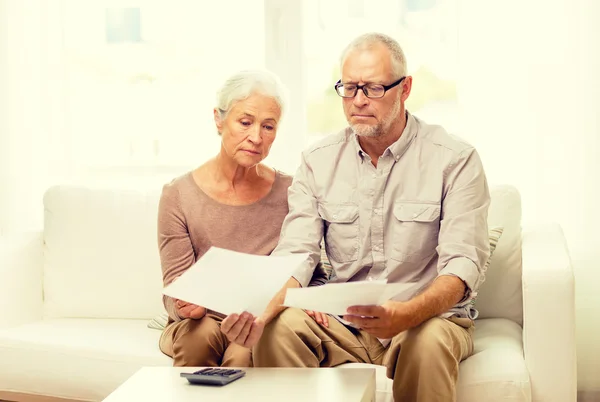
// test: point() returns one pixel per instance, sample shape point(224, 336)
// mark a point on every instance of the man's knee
point(428, 339)
point(424, 347)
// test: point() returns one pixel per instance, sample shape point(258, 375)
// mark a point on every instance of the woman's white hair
point(247, 82)
point(367, 40)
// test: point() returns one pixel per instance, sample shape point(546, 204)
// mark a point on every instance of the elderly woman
point(233, 201)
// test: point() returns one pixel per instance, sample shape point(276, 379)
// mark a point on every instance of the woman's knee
point(198, 342)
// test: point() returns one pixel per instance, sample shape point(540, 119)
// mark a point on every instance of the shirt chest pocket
point(415, 231)
point(341, 231)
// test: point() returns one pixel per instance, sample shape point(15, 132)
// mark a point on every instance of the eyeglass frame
point(362, 87)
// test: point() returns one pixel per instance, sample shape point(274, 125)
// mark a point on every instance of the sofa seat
point(495, 372)
point(88, 358)
point(76, 358)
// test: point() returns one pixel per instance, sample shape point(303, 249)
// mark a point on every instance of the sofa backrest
point(101, 255)
point(500, 296)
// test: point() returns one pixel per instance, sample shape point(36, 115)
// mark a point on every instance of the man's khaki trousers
point(201, 343)
point(423, 361)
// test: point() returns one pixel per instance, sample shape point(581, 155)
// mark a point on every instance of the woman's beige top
point(190, 222)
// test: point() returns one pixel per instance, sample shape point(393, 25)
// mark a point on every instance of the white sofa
point(75, 301)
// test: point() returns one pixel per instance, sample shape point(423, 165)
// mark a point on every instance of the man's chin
point(364, 130)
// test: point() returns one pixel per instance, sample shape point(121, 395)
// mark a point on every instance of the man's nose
point(360, 99)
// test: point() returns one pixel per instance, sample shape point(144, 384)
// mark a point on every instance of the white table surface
point(259, 384)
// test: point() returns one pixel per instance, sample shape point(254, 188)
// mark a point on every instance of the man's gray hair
point(247, 82)
point(367, 40)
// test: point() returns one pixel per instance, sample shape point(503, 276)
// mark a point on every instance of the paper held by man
point(232, 282)
point(336, 298)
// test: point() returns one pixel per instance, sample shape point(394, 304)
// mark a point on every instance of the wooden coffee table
point(259, 384)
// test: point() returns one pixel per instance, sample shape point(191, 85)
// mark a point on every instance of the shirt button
point(335, 216)
point(376, 211)
point(375, 248)
point(374, 175)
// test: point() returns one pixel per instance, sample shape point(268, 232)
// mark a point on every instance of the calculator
point(213, 376)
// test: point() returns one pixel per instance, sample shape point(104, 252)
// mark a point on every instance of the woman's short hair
point(247, 82)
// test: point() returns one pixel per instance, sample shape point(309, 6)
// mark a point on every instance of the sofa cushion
point(101, 253)
point(76, 358)
point(496, 371)
point(500, 296)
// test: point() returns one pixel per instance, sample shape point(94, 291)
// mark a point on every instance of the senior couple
point(391, 196)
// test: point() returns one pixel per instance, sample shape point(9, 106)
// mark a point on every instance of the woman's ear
point(218, 120)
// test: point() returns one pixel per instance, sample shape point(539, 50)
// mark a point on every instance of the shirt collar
point(398, 147)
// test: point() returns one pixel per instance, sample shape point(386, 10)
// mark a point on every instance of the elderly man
point(398, 199)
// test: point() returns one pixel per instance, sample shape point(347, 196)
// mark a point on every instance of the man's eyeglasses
point(370, 90)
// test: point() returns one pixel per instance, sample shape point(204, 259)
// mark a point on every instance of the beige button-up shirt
point(421, 213)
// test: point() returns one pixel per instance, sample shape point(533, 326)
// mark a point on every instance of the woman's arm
point(175, 248)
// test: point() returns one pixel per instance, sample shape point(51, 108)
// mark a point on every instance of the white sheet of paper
point(231, 282)
point(335, 298)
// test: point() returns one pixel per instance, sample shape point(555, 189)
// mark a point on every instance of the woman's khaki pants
point(201, 343)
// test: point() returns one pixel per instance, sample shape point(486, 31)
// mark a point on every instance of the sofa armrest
point(549, 314)
point(21, 278)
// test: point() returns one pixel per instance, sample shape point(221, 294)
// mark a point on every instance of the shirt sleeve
point(463, 247)
point(302, 228)
point(174, 243)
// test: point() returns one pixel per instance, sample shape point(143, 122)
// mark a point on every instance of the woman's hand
point(243, 329)
point(189, 310)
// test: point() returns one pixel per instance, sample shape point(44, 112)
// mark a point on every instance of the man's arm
point(394, 317)
point(463, 251)
point(464, 245)
point(276, 305)
point(438, 298)
point(301, 232)
point(302, 228)
point(463, 240)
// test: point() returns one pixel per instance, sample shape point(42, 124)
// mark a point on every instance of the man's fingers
point(324, 320)
point(362, 322)
point(320, 318)
point(366, 311)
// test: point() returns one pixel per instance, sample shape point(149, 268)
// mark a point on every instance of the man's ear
point(406, 87)
point(218, 120)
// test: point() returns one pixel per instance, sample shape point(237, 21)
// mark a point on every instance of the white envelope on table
point(232, 282)
point(335, 298)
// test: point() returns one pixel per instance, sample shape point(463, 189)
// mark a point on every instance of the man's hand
point(320, 318)
point(189, 310)
point(243, 329)
point(385, 321)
